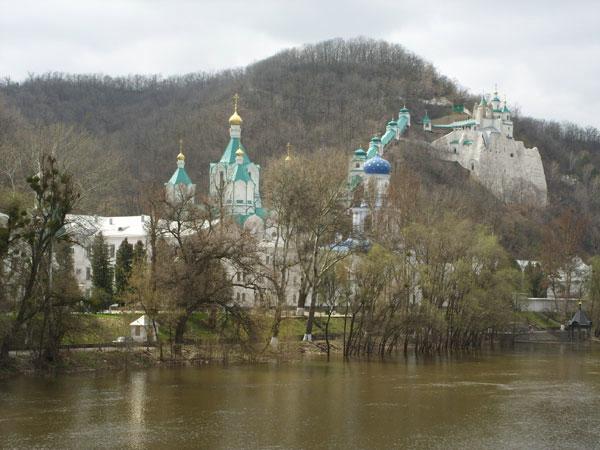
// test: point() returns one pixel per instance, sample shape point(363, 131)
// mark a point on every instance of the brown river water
point(530, 397)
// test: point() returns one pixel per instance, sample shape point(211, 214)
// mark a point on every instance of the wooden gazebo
point(580, 320)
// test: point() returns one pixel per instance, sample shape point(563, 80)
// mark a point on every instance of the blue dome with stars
point(377, 166)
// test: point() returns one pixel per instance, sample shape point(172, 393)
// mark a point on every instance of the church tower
point(180, 187)
point(234, 180)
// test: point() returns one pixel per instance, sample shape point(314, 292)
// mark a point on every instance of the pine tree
point(139, 252)
point(123, 264)
point(102, 273)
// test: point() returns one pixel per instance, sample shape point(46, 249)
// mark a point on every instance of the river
point(531, 397)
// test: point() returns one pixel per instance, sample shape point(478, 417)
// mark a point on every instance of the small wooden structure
point(142, 329)
point(580, 321)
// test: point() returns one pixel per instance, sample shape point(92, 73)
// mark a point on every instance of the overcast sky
point(544, 55)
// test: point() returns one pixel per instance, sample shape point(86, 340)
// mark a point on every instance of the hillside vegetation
point(121, 134)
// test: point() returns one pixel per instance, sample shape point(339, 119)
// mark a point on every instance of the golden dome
point(180, 157)
point(235, 119)
point(239, 152)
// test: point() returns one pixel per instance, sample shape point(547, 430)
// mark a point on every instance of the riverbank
point(118, 359)
point(205, 346)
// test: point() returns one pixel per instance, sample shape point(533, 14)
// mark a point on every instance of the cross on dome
point(235, 118)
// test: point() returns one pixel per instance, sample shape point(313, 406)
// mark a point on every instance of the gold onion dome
point(235, 118)
point(239, 152)
point(181, 156)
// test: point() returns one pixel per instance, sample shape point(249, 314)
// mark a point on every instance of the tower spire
point(235, 118)
point(180, 156)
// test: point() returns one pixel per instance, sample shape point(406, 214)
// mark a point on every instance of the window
point(88, 273)
point(472, 166)
point(237, 297)
point(221, 180)
point(239, 276)
point(357, 165)
point(77, 271)
point(137, 330)
point(88, 251)
point(511, 155)
point(243, 298)
point(267, 259)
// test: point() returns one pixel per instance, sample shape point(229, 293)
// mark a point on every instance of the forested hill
point(334, 94)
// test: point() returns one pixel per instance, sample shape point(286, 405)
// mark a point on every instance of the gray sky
point(542, 54)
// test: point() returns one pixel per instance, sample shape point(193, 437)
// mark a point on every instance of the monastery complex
point(482, 143)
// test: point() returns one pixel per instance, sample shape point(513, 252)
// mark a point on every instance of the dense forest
point(120, 135)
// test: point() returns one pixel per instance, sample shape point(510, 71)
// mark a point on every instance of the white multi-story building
point(115, 230)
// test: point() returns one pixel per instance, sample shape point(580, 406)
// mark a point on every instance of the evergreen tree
point(123, 264)
point(102, 273)
point(139, 252)
point(536, 280)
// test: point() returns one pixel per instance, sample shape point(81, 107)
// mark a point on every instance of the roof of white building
point(117, 226)
point(143, 321)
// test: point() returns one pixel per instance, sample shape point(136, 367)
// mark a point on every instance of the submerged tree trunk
point(274, 342)
point(311, 317)
point(179, 333)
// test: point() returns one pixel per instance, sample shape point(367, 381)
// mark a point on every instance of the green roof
point(229, 153)
point(392, 123)
point(375, 139)
point(426, 118)
point(402, 123)
point(505, 109)
point(483, 102)
point(455, 141)
point(372, 152)
point(404, 110)
point(355, 181)
point(180, 177)
point(495, 99)
point(497, 110)
point(388, 136)
point(241, 173)
point(467, 142)
point(261, 212)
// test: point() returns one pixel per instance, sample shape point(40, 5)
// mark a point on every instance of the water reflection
point(531, 398)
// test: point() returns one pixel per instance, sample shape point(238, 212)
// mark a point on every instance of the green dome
point(360, 153)
point(375, 139)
